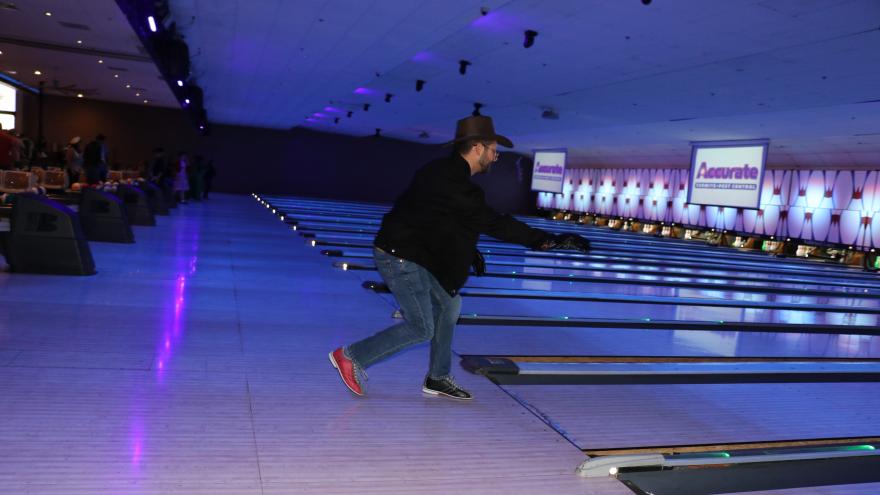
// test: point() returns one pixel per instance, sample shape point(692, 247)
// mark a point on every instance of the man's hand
point(566, 241)
point(479, 264)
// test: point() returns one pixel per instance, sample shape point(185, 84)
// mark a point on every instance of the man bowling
point(424, 250)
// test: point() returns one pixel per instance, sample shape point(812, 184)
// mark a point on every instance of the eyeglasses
point(497, 153)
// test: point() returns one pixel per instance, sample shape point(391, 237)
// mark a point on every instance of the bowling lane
point(648, 262)
point(567, 341)
point(614, 279)
point(514, 256)
point(544, 289)
point(633, 416)
point(706, 257)
point(632, 311)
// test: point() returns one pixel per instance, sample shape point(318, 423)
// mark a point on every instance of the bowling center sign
point(727, 173)
point(548, 173)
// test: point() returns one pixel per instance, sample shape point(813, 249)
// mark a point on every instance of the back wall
point(248, 159)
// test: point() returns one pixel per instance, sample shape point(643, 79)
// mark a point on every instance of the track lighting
point(420, 85)
point(477, 107)
point(462, 66)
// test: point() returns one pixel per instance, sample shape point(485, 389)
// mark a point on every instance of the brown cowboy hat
point(478, 127)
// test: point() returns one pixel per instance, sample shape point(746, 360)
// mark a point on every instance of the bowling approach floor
point(195, 361)
point(650, 345)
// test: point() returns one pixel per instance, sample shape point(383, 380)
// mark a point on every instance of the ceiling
point(32, 41)
point(632, 85)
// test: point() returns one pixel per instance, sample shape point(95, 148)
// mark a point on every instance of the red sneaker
point(347, 371)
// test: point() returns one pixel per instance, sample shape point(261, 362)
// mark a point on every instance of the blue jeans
point(429, 312)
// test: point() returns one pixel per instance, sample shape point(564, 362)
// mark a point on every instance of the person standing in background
point(158, 171)
point(197, 185)
point(93, 160)
point(9, 149)
point(181, 183)
point(73, 159)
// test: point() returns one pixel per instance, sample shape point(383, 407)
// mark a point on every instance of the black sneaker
point(445, 388)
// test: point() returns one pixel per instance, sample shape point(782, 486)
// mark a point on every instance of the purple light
point(498, 21)
point(311, 120)
point(179, 83)
point(422, 57)
point(319, 115)
point(186, 101)
point(152, 23)
point(333, 109)
point(363, 91)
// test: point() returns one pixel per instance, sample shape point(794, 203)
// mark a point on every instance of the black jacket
point(437, 220)
point(92, 154)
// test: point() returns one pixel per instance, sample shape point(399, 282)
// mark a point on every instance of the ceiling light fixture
point(350, 114)
point(137, 94)
point(79, 42)
point(420, 85)
point(179, 83)
point(127, 86)
point(100, 61)
point(116, 76)
point(463, 66)
point(388, 97)
point(366, 107)
point(378, 132)
point(79, 95)
point(550, 114)
point(529, 38)
point(48, 14)
point(38, 73)
point(152, 23)
point(477, 107)
point(146, 101)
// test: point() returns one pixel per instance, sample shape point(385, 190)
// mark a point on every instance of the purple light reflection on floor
point(173, 328)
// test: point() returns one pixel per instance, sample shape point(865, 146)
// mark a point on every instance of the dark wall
point(248, 159)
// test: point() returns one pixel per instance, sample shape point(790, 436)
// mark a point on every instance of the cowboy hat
point(478, 127)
